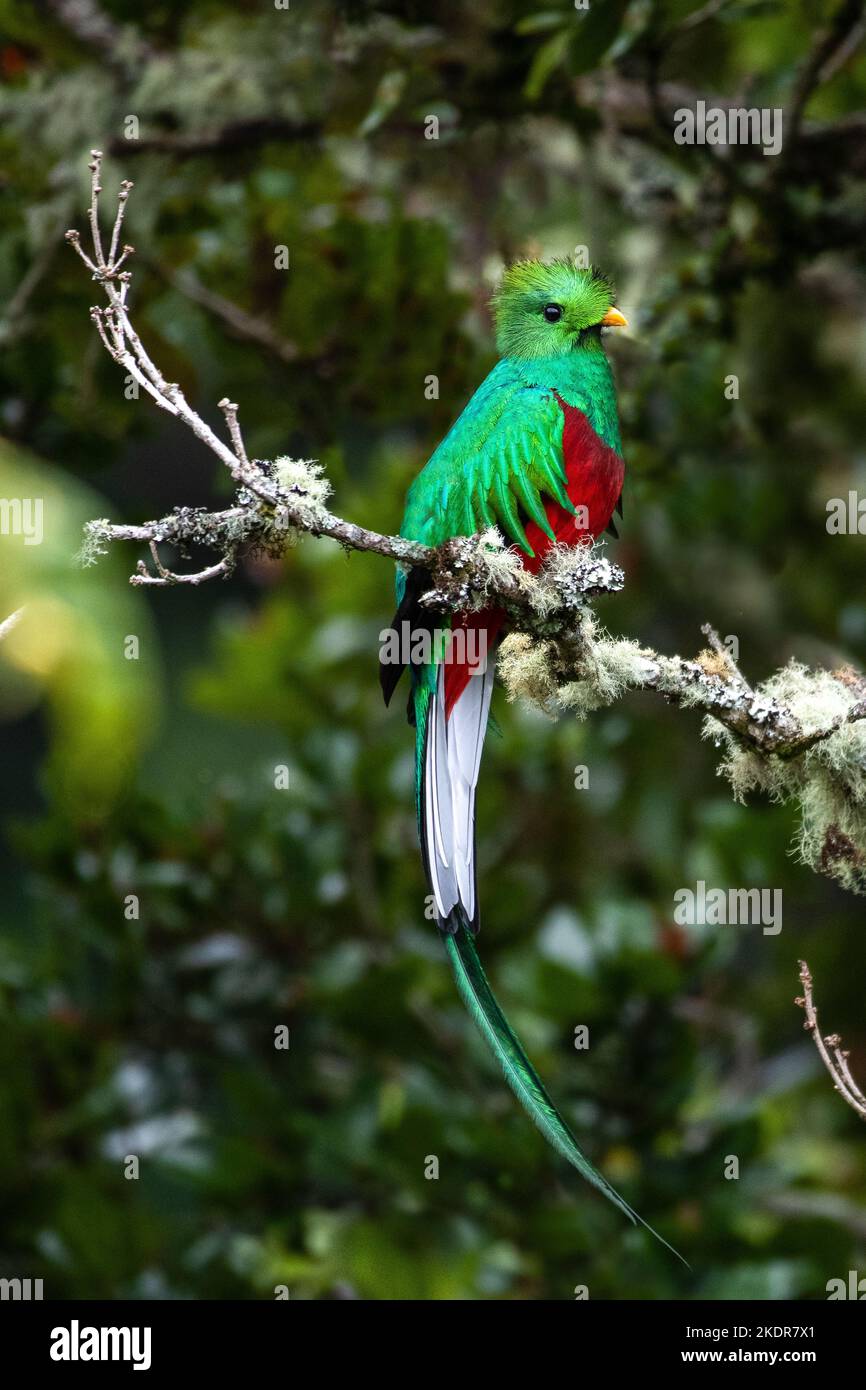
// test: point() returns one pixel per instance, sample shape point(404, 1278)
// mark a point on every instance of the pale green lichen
point(827, 783)
point(525, 667)
point(304, 478)
point(495, 564)
point(95, 542)
point(305, 483)
point(607, 667)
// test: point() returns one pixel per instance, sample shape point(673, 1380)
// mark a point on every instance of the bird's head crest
point(547, 308)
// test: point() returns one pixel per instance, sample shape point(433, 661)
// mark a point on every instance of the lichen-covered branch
point(830, 1048)
point(799, 737)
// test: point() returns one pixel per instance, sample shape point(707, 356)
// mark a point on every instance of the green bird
point(536, 453)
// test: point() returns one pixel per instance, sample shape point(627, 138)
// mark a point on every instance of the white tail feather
point(452, 762)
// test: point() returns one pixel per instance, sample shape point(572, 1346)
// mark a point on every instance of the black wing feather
point(418, 581)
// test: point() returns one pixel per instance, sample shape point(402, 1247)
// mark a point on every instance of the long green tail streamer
point(519, 1071)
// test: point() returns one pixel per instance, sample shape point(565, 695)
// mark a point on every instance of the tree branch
point(820, 65)
point(234, 136)
point(242, 324)
point(824, 151)
point(119, 46)
point(13, 317)
point(830, 1048)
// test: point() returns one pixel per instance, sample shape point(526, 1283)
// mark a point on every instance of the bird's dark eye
point(552, 312)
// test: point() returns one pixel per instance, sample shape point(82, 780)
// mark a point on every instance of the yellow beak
point(614, 319)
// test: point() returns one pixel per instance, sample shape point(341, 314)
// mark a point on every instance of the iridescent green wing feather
point(499, 458)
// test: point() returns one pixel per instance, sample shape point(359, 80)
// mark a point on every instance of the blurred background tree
point(166, 906)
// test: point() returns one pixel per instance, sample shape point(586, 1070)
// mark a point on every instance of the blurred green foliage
point(259, 907)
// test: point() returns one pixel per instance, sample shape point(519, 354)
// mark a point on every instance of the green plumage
point(505, 449)
point(519, 1072)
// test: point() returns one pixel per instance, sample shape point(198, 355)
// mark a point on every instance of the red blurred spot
point(67, 1015)
point(12, 61)
point(673, 941)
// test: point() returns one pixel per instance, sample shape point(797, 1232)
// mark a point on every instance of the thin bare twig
point(165, 578)
point(830, 1049)
point(122, 199)
point(708, 11)
point(124, 345)
point(230, 411)
point(93, 214)
point(819, 65)
point(13, 319)
point(722, 651)
point(240, 323)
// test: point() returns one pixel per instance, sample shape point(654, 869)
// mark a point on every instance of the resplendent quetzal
point(536, 453)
